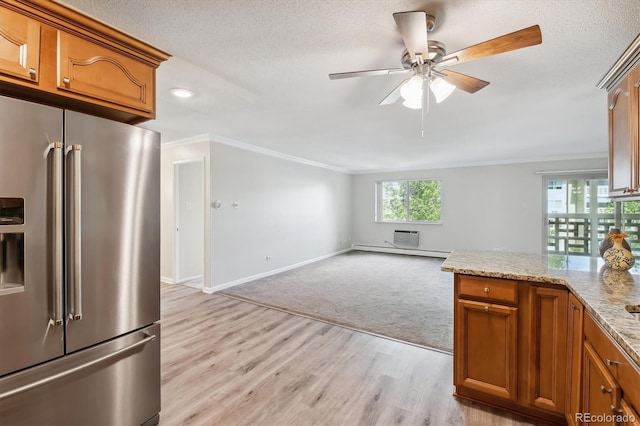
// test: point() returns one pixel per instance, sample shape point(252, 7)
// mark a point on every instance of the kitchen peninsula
point(550, 337)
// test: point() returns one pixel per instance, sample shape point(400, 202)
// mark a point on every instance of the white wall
point(289, 211)
point(483, 208)
point(189, 149)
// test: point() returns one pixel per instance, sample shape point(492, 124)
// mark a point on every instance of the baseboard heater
point(406, 239)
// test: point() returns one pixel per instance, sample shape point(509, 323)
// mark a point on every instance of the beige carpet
point(403, 297)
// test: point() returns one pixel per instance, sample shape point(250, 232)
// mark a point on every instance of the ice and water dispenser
point(11, 245)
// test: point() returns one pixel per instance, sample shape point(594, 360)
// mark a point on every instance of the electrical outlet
point(268, 258)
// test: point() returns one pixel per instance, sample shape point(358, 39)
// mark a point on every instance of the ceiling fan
point(425, 58)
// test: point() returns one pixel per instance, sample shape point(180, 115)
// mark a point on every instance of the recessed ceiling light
point(181, 93)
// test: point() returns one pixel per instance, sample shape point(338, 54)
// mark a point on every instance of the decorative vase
point(608, 242)
point(617, 257)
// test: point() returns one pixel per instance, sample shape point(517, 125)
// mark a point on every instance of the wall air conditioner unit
point(406, 239)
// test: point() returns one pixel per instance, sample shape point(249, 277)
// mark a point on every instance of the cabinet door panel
point(548, 349)
point(574, 356)
point(93, 71)
point(634, 97)
point(600, 392)
point(630, 417)
point(19, 46)
point(486, 348)
point(621, 150)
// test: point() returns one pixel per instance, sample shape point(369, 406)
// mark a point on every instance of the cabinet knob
point(486, 289)
point(32, 72)
point(486, 309)
point(611, 362)
point(605, 390)
point(629, 190)
point(66, 81)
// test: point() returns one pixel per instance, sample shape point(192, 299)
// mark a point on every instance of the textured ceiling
point(259, 69)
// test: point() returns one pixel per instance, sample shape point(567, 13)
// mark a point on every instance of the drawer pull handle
point(66, 81)
point(32, 72)
point(486, 289)
point(611, 362)
point(615, 410)
point(605, 390)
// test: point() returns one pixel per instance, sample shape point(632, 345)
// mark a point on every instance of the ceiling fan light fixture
point(415, 103)
point(412, 89)
point(441, 89)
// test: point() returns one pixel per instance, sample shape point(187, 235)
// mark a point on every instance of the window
point(408, 201)
point(579, 215)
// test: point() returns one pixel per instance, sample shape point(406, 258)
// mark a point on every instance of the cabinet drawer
point(489, 289)
point(19, 46)
point(623, 369)
point(93, 71)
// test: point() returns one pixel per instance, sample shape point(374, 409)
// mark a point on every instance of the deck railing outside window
point(577, 234)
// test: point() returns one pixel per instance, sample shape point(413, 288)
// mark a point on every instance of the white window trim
point(378, 203)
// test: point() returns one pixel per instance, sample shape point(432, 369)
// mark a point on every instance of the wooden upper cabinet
point(621, 148)
point(95, 72)
point(55, 55)
point(19, 46)
point(622, 83)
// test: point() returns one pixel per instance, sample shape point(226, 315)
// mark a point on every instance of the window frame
point(546, 178)
point(379, 201)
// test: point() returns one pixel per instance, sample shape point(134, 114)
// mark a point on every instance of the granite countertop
point(603, 292)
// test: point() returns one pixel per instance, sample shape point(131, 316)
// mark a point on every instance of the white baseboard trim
point(189, 280)
point(411, 252)
point(166, 280)
point(234, 283)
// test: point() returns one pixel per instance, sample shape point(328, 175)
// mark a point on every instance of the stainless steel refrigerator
point(79, 268)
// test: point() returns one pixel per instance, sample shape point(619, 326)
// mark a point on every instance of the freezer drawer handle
point(75, 274)
point(58, 247)
point(76, 369)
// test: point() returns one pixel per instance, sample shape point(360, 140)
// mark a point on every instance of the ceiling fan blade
point(524, 38)
point(394, 95)
point(464, 82)
point(413, 29)
point(340, 75)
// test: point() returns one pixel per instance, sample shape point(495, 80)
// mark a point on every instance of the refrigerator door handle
point(58, 247)
point(75, 312)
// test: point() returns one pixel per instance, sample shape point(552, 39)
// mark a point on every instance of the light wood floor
point(229, 362)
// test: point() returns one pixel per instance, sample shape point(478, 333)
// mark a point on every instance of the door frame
point(176, 220)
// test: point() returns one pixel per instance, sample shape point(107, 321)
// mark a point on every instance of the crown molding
point(271, 153)
point(186, 141)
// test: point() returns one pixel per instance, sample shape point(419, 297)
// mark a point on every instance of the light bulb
point(414, 103)
point(441, 89)
point(412, 88)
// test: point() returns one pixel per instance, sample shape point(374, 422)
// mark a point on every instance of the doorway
point(189, 222)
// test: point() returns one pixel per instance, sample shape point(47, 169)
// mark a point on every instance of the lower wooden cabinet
point(486, 344)
point(629, 416)
point(574, 357)
point(545, 322)
point(610, 380)
point(601, 394)
point(510, 345)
